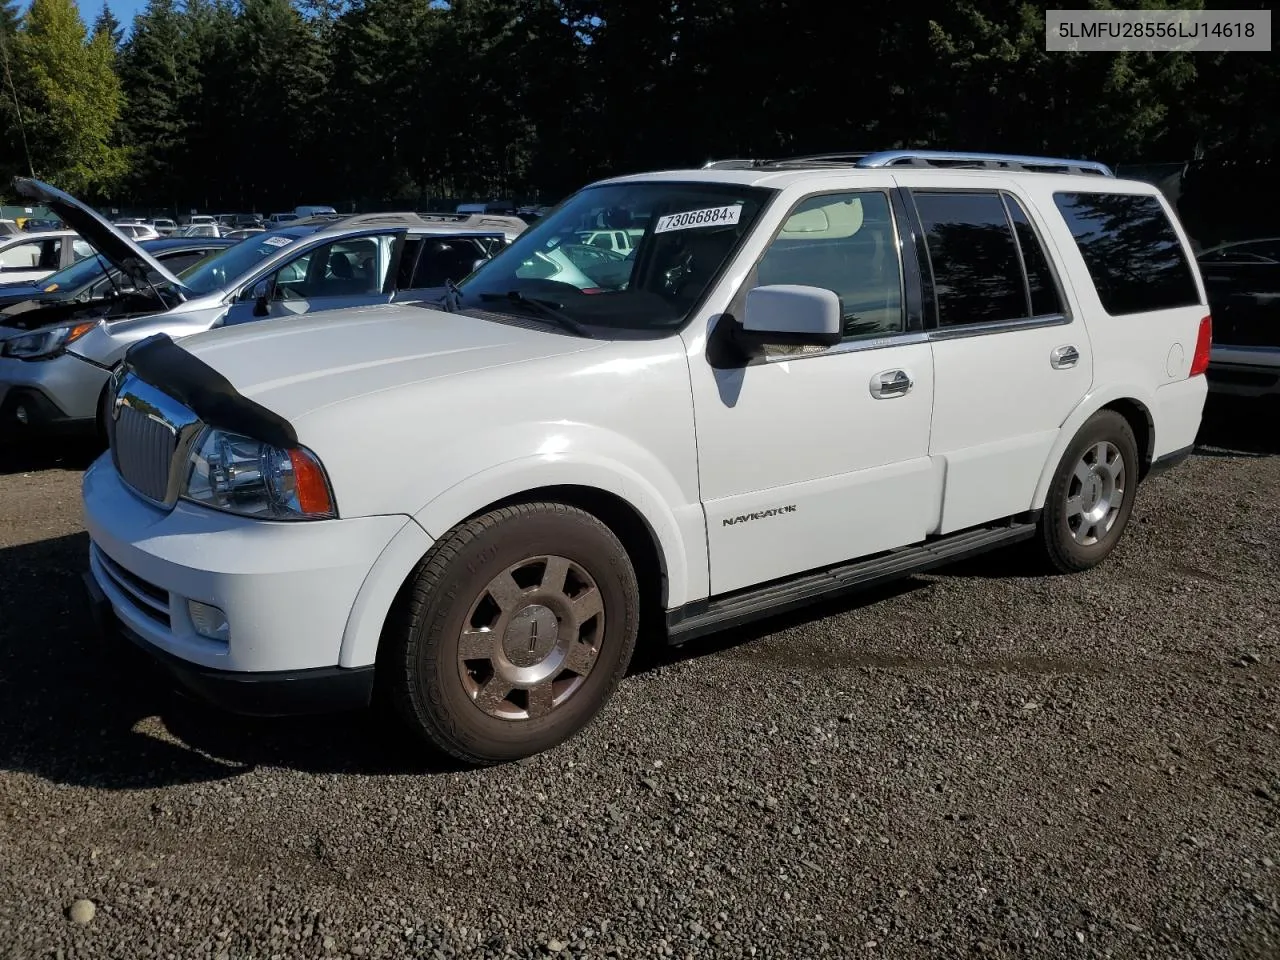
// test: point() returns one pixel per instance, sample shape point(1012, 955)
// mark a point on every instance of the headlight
point(47, 342)
point(241, 475)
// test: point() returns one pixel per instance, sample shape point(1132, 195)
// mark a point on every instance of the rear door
point(1011, 359)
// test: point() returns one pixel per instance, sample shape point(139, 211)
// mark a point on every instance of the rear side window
point(1131, 251)
point(1042, 290)
point(977, 273)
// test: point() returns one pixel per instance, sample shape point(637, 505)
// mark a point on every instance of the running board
point(707, 616)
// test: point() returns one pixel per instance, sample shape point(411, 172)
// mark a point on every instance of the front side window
point(1131, 251)
point(845, 243)
point(682, 234)
point(977, 274)
point(226, 265)
point(353, 266)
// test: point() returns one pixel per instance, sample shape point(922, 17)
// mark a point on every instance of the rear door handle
point(1064, 357)
point(890, 384)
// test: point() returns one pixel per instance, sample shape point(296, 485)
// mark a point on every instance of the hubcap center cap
point(531, 636)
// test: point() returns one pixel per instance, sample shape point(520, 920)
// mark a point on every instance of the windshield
point(74, 277)
point(222, 267)
point(629, 256)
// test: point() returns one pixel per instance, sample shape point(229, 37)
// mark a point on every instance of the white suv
point(806, 376)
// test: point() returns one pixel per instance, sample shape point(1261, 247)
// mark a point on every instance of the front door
point(814, 456)
point(348, 272)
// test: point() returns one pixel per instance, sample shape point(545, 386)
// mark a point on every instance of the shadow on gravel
point(23, 455)
point(71, 706)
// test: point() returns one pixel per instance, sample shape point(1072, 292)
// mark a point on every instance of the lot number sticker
point(277, 241)
point(708, 217)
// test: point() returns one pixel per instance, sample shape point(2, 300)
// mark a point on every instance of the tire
point(1071, 537)
point(562, 651)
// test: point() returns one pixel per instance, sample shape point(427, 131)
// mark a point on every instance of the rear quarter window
point(1131, 250)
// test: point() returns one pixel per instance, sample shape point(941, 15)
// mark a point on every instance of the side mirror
point(792, 315)
point(777, 315)
point(480, 263)
point(261, 296)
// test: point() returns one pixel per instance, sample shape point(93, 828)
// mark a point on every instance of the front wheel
point(516, 630)
point(1091, 496)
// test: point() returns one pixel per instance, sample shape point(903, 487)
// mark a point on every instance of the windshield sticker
point(708, 217)
point(277, 241)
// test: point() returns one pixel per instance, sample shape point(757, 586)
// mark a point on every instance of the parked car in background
point(277, 218)
point(1243, 282)
point(95, 280)
point(9, 229)
point(40, 225)
point(26, 258)
point(812, 375)
point(313, 210)
point(53, 366)
point(163, 225)
point(199, 230)
point(137, 229)
point(201, 218)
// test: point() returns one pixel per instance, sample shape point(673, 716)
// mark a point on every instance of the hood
point(295, 366)
point(120, 250)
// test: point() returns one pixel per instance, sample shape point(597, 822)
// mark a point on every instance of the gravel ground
point(976, 762)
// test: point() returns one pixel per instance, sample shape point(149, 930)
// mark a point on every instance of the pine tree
point(74, 98)
point(109, 25)
point(157, 74)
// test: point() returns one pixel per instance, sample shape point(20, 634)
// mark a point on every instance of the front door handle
point(1064, 357)
point(890, 384)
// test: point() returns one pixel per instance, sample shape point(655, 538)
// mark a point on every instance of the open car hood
point(120, 250)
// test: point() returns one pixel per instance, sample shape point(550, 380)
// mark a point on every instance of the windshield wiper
point(545, 308)
point(452, 297)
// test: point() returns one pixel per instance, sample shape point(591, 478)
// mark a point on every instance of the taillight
point(1204, 344)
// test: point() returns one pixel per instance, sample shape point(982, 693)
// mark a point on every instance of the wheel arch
point(1131, 402)
point(650, 534)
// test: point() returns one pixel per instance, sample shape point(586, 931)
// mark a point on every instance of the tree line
point(257, 104)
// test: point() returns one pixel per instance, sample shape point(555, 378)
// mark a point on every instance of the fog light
point(209, 621)
point(21, 414)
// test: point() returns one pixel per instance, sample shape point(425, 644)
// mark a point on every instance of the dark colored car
point(94, 279)
point(1242, 280)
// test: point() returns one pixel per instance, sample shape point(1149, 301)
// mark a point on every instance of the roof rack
point(330, 221)
point(998, 161)
point(923, 158)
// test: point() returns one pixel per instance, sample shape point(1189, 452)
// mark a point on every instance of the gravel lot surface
point(975, 762)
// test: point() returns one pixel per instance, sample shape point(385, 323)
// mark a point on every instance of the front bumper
point(267, 694)
point(287, 591)
point(41, 396)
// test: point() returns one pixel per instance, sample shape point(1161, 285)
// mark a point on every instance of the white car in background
point(137, 229)
point(27, 257)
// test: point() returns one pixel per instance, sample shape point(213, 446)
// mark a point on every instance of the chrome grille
point(144, 451)
point(149, 433)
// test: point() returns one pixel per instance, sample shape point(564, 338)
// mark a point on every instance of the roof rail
point(924, 158)
point(1000, 161)
point(408, 218)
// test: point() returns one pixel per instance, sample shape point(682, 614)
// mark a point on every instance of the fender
point(678, 529)
point(1090, 404)
point(373, 602)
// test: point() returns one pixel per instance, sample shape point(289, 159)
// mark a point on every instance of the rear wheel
point(516, 630)
point(1092, 494)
